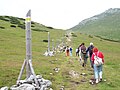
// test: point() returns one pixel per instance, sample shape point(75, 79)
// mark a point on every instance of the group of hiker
point(84, 52)
point(96, 59)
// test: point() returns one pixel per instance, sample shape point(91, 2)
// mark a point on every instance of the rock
point(62, 88)
point(51, 53)
point(24, 86)
point(39, 76)
point(83, 80)
point(84, 74)
point(56, 69)
point(51, 73)
point(104, 80)
point(91, 82)
point(74, 74)
point(50, 89)
point(4, 88)
point(29, 84)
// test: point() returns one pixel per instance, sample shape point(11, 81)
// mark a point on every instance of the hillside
point(105, 25)
point(12, 55)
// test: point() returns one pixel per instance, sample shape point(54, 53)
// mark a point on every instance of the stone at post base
point(29, 84)
point(4, 88)
point(51, 53)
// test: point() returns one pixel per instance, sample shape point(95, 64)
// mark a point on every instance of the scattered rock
point(29, 84)
point(62, 88)
point(51, 73)
point(83, 80)
point(74, 74)
point(50, 89)
point(4, 88)
point(104, 80)
point(56, 69)
point(51, 53)
point(92, 81)
point(84, 74)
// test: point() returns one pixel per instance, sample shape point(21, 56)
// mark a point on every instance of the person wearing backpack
point(83, 54)
point(90, 51)
point(97, 68)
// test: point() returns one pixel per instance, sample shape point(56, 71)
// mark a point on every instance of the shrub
point(50, 27)
point(39, 30)
point(90, 36)
point(32, 22)
point(2, 27)
point(45, 40)
point(22, 26)
point(74, 35)
point(13, 26)
point(3, 18)
point(21, 19)
point(14, 20)
point(32, 26)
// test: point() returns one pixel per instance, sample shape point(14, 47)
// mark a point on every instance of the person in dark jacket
point(90, 51)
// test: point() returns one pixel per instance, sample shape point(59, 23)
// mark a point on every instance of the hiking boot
point(96, 81)
point(83, 65)
point(100, 80)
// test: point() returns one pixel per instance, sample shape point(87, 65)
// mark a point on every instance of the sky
point(61, 14)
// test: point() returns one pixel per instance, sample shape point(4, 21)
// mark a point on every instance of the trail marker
point(32, 82)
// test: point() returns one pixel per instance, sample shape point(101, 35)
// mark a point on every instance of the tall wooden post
point(28, 42)
point(48, 42)
point(28, 60)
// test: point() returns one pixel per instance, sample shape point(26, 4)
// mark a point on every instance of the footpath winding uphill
point(72, 70)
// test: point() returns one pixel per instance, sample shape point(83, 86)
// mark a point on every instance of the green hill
point(12, 55)
point(105, 25)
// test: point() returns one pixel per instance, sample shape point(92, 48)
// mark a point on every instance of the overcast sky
point(62, 14)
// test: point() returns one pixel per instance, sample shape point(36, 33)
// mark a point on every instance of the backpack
point(83, 49)
point(97, 60)
point(67, 50)
point(70, 49)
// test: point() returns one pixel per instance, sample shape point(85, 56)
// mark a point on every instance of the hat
point(95, 49)
point(91, 43)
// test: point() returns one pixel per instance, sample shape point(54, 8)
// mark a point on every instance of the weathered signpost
point(28, 60)
point(48, 52)
point(32, 82)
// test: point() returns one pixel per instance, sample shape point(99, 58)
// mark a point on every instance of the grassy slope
point(107, 27)
point(12, 54)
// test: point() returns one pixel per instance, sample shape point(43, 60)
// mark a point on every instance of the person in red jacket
point(97, 69)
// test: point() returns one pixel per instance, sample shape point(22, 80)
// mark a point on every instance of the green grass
point(12, 55)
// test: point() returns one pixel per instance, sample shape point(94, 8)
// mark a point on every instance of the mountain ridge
point(105, 25)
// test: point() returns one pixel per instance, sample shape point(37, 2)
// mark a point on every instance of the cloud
point(57, 13)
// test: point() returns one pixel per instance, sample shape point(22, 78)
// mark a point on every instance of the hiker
point(83, 54)
point(70, 51)
point(77, 51)
point(90, 52)
point(97, 69)
point(67, 51)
